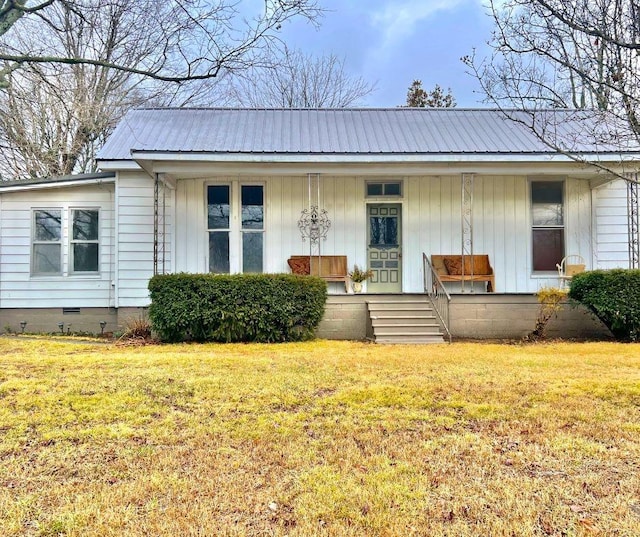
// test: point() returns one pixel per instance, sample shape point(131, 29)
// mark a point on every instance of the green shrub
point(614, 297)
point(241, 307)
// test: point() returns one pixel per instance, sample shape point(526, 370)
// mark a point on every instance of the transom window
point(384, 188)
point(547, 208)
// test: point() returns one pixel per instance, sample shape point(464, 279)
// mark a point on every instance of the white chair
point(568, 267)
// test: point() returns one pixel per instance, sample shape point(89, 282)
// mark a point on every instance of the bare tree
point(566, 54)
point(299, 81)
point(192, 39)
point(418, 97)
point(53, 115)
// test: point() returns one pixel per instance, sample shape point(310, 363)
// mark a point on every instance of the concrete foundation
point(477, 316)
point(503, 316)
point(67, 320)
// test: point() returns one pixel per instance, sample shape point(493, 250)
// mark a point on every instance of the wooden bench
point(449, 269)
point(331, 268)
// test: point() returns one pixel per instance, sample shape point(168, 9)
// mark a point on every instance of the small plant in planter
point(357, 276)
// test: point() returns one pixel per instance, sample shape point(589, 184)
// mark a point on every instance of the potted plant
point(357, 276)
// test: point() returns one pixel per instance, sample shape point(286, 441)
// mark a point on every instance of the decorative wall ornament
point(314, 224)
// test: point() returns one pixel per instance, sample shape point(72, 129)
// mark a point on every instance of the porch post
point(633, 210)
point(467, 223)
point(159, 225)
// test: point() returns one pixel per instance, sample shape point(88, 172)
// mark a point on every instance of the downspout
point(112, 253)
point(116, 244)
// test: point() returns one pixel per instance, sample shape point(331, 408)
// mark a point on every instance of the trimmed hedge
point(233, 308)
point(614, 297)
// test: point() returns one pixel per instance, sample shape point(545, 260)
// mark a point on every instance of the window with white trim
point(235, 227)
point(85, 244)
point(218, 227)
point(252, 197)
point(547, 209)
point(46, 252)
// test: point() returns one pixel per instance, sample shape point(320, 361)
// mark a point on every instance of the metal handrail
point(434, 289)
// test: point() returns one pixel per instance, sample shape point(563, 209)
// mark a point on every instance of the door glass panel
point(252, 252)
point(218, 207)
point(383, 230)
point(219, 252)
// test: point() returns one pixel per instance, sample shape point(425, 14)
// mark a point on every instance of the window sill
point(546, 275)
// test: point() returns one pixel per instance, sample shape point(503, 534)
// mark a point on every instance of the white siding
point(135, 230)
point(18, 289)
point(612, 234)
point(431, 224)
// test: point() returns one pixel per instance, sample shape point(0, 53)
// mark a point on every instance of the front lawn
point(320, 438)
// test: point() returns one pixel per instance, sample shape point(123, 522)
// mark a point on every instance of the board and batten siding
point(18, 288)
point(612, 233)
point(135, 231)
point(431, 208)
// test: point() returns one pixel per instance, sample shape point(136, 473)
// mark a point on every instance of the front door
point(384, 250)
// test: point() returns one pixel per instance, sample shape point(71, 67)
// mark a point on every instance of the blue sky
point(393, 42)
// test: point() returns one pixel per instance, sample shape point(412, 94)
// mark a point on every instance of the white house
point(224, 190)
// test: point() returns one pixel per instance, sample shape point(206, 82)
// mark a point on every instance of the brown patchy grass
point(322, 438)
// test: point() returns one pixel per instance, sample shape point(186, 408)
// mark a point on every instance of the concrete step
point(405, 316)
point(410, 339)
point(413, 321)
point(404, 319)
point(398, 303)
point(386, 330)
point(400, 309)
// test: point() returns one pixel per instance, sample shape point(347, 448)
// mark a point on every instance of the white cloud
point(398, 20)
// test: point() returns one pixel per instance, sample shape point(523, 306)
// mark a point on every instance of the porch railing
point(437, 294)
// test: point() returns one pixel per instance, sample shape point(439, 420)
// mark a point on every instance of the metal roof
point(418, 131)
point(71, 180)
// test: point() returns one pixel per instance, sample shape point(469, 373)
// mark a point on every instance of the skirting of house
point(481, 316)
point(67, 320)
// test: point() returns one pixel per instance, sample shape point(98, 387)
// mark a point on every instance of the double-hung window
point(547, 207)
point(235, 227)
point(46, 253)
point(252, 227)
point(84, 240)
point(65, 241)
point(218, 227)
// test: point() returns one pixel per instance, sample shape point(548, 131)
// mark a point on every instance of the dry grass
point(336, 439)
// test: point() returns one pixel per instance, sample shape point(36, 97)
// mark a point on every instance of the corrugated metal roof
point(349, 131)
point(62, 179)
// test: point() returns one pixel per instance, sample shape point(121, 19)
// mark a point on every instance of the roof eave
point(265, 157)
point(98, 179)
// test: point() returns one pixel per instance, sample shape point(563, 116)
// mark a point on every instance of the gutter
point(43, 185)
point(374, 158)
